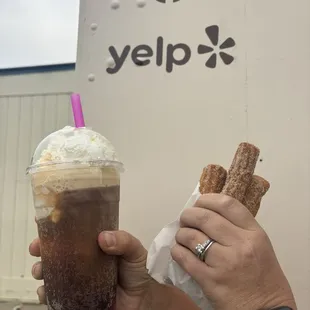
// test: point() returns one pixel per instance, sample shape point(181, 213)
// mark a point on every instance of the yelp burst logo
point(166, 1)
point(213, 34)
point(172, 55)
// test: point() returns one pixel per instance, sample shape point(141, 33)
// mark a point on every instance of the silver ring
point(202, 249)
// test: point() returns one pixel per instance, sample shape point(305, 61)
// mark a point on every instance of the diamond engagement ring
point(202, 249)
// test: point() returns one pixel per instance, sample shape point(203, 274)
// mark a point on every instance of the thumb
point(122, 244)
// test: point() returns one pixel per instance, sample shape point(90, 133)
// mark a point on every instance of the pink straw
point(77, 110)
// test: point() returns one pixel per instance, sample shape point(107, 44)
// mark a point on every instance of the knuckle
point(185, 214)
point(178, 236)
point(232, 268)
point(191, 236)
point(204, 217)
point(122, 234)
point(221, 276)
point(122, 237)
point(182, 217)
point(201, 201)
point(183, 258)
point(177, 254)
point(187, 237)
point(262, 237)
point(248, 252)
point(232, 265)
point(227, 202)
point(261, 240)
point(173, 251)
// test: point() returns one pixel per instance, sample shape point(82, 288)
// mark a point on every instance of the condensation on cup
point(75, 177)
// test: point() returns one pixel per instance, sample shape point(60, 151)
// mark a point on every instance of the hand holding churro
point(232, 250)
point(239, 182)
point(216, 243)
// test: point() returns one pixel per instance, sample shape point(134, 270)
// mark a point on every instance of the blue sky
point(38, 32)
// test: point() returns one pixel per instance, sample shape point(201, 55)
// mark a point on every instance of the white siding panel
point(22, 185)
point(24, 121)
point(9, 192)
point(3, 141)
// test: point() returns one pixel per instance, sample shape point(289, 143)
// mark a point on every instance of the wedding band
point(204, 253)
point(202, 249)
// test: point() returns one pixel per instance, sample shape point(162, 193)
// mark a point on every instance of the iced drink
point(76, 189)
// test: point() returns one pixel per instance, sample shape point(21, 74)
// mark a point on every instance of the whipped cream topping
point(72, 144)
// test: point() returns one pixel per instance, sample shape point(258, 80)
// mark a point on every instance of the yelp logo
point(213, 35)
point(165, 1)
point(170, 55)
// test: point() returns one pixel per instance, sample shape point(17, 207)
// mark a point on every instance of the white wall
point(168, 126)
point(31, 106)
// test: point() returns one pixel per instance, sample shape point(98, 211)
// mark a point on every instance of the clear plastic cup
point(75, 178)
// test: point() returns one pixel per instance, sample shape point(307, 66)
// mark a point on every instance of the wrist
point(264, 302)
point(162, 296)
point(285, 303)
point(280, 297)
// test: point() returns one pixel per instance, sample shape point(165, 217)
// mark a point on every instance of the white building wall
point(31, 106)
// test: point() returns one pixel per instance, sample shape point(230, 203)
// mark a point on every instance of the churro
point(212, 179)
point(239, 183)
point(241, 171)
point(254, 194)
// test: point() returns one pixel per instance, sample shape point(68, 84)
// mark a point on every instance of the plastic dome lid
point(75, 145)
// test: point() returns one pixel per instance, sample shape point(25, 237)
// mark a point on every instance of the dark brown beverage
point(77, 274)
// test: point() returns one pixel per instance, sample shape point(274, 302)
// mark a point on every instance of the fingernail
point(41, 294)
point(109, 239)
point(34, 269)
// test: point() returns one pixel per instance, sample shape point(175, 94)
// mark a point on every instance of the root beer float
point(76, 190)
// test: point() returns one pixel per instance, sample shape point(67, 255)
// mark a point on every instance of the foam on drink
point(71, 158)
